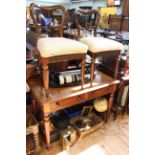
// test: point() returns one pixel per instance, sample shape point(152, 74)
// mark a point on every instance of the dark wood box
point(98, 123)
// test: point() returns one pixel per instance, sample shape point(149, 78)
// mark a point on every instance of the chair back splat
point(86, 20)
point(45, 20)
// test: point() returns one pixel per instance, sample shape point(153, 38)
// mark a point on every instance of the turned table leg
point(92, 71)
point(47, 130)
point(45, 78)
point(110, 105)
point(82, 72)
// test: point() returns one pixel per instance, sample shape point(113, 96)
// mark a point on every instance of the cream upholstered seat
point(58, 49)
point(98, 44)
point(58, 46)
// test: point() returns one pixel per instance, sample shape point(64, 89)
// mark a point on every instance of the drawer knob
point(57, 103)
point(79, 98)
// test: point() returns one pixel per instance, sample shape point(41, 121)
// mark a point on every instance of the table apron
point(68, 102)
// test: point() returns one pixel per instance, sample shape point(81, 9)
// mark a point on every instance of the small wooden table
point(61, 98)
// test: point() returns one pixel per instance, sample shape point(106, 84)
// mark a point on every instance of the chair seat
point(58, 46)
point(100, 44)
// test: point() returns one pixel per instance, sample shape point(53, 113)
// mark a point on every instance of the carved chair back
point(90, 20)
point(48, 12)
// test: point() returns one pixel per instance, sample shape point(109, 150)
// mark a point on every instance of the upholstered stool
point(98, 46)
point(58, 49)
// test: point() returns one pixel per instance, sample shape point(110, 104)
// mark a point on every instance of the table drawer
point(97, 93)
point(71, 100)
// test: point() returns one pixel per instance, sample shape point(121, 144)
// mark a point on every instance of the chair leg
point(46, 78)
point(83, 63)
point(92, 70)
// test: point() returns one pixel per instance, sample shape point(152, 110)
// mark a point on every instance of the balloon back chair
point(97, 46)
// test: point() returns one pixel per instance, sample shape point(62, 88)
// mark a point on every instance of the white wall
point(49, 2)
point(69, 5)
point(94, 5)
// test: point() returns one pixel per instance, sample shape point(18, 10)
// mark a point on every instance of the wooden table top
point(56, 94)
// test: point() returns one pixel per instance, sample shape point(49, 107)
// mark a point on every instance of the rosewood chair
point(57, 49)
point(97, 46)
point(48, 30)
point(47, 11)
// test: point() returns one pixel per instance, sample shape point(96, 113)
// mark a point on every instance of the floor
point(111, 139)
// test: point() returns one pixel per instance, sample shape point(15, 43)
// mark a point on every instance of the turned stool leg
point(45, 78)
point(82, 72)
point(47, 130)
point(92, 71)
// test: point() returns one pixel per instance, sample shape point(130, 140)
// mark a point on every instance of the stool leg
point(83, 72)
point(45, 77)
point(92, 71)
